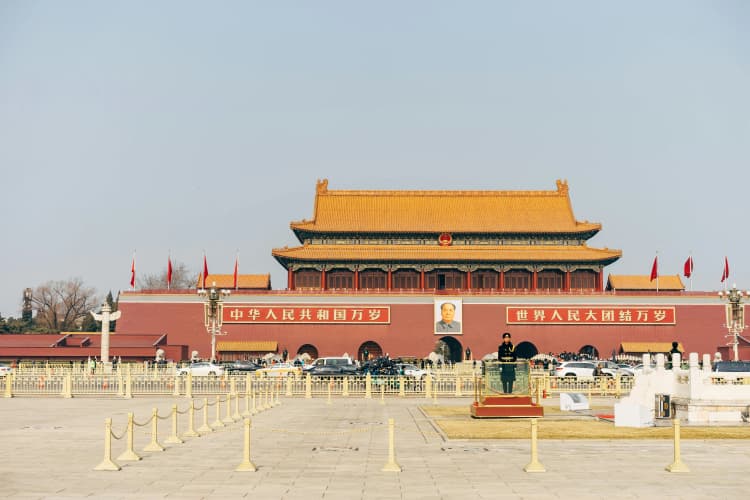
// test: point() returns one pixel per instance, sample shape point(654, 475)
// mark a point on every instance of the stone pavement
point(309, 449)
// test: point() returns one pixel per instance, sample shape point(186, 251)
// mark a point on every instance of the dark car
point(242, 366)
point(332, 370)
point(732, 366)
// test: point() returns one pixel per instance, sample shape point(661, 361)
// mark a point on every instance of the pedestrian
point(506, 355)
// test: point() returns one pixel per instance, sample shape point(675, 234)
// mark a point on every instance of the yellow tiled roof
point(244, 281)
point(455, 253)
point(247, 345)
point(444, 211)
point(644, 347)
point(643, 282)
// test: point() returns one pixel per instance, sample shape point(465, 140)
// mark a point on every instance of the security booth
point(505, 391)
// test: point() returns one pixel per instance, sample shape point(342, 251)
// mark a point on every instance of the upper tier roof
point(443, 211)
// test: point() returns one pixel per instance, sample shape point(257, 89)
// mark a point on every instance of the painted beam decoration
point(307, 314)
point(591, 315)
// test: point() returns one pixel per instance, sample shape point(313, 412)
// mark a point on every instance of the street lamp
point(735, 315)
point(212, 308)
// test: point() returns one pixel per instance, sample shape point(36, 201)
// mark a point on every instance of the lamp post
point(212, 308)
point(735, 315)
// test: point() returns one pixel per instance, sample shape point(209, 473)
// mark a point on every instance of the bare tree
point(182, 278)
point(61, 305)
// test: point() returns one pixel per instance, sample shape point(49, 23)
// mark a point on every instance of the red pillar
point(390, 279)
point(600, 281)
point(468, 280)
point(290, 280)
point(566, 286)
point(533, 281)
point(323, 279)
point(356, 279)
point(501, 284)
point(421, 280)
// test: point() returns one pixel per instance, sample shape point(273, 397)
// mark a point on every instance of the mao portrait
point(448, 316)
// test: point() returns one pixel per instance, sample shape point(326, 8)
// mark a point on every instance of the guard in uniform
point(506, 355)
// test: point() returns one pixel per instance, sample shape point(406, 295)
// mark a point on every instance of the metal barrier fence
point(128, 382)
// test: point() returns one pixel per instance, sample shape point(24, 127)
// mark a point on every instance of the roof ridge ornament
point(322, 186)
point(562, 186)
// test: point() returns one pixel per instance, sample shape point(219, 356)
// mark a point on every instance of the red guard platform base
point(506, 406)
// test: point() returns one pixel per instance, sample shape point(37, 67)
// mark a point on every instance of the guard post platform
point(491, 401)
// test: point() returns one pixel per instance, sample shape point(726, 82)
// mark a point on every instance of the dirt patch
point(456, 423)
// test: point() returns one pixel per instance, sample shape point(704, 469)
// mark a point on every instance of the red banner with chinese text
point(365, 315)
point(591, 315)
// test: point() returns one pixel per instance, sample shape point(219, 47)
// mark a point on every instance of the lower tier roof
point(453, 253)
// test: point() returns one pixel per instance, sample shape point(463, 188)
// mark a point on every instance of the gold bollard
point(128, 384)
point(189, 386)
point(534, 465)
point(247, 413)
point(329, 392)
point(154, 444)
point(382, 394)
point(428, 387)
point(368, 386)
point(236, 415)
point(191, 421)
point(255, 408)
point(9, 385)
point(228, 414)
point(120, 383)
point(345, 387)
point(176, 392)
point(218, 423)
point(129, 455)
point(69, 386)
point(232, 386)
point(174, 438)
point(107, 463)
point(401, 388)
point(308, 386)
point(678, 465)
point(205, 428)
point(289, 387)
point(246, 465)
point(278, 394)
point(391, 465)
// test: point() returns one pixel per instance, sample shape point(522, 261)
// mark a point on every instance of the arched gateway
point(373, 351)
point(451, 349)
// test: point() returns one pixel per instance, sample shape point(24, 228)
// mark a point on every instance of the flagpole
point(169, 264)
point(236, 271)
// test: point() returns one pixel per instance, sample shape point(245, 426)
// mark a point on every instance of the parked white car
point(201, 368)
point(413, 371)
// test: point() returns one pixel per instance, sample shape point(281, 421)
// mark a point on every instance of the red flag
point(169, 271)
point(236, 268)
point(688, 270)
point(205, 270)
point(725, 274)
point(655, 269)
point(132, 273)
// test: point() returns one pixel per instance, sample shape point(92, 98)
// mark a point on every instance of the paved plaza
point(310, 449)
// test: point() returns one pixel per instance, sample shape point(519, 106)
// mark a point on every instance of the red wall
point(699, 328)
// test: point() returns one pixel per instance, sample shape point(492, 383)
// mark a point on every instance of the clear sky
point(184, 126)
